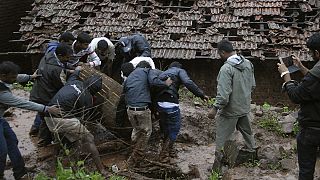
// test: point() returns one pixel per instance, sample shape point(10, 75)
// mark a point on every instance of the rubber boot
point(217, 164)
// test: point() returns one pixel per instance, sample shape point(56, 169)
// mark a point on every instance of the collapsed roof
point(182, 29)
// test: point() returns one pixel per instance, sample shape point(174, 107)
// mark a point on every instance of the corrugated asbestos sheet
point(182, 29)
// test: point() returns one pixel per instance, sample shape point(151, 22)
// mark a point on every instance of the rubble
point(182, 29)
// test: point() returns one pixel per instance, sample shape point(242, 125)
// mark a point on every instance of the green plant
point(42, 176)
point(275, 166)
point(215, 175)
point(17, 86)
point(78, 172)
point(211, 102)
point(28, 86)
point(270, 123)
point(252, 163)
point(285, 109)
point(296, 128)
point(266, 106)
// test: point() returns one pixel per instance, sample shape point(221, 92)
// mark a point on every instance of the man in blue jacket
point(8, 139)
point(138, 99)
point(168, 106)
point(127, 48)
point(306, 93)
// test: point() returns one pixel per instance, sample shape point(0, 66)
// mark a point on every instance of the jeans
point(170, 122)
point(308, 142)
point(9, 146)
point(37, 121)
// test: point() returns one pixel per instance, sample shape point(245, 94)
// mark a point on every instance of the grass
point(26, 87)
point(215, 175)
point(270, 123)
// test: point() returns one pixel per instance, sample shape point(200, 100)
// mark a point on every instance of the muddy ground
point(195, 145)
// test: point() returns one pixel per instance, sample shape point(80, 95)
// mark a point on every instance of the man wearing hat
point(134, 46)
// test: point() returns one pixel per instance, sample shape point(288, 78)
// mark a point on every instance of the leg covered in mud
point(142, 129)
point(88, 146)
point(170, 121)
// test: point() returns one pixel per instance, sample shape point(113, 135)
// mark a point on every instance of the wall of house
point(10, 13)
point(268, 81)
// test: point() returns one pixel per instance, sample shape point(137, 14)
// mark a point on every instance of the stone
point(288, 164)
point(259, 113)
point(276, 109)
point(287, 123)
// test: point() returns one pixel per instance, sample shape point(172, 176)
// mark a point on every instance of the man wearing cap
point(134, 46)
point(105, 50)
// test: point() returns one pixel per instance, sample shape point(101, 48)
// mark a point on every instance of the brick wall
point(10, 13)
point(268, 81)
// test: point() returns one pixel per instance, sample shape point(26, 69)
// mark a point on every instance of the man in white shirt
point(82, 50)
point(135, 61)
point(104, 48)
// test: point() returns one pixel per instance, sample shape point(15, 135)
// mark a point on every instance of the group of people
point(65, 102)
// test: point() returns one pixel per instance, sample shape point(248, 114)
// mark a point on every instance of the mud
point(195, 147)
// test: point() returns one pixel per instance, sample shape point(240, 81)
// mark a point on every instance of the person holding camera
point(306, 94)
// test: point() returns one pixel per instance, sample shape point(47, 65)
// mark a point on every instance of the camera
point(288, 61)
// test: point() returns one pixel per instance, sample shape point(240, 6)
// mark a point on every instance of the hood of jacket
point(316, 70)
point(93, 84)
point(236, 61)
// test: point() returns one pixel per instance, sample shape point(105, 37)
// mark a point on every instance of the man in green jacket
point(235, 83)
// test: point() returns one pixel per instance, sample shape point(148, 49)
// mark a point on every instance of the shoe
point(23, 174)
point(33, 131)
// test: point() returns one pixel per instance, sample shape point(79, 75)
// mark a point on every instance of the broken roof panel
point(181, 31)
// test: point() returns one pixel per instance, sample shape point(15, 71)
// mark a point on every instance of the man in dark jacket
point(127, 48)
point(133, 46)
point(66, 37)
point(8, 139)
point(53, 76)
point(137, 97)
point(307, 95)
point(76, 99)
point(168, 106)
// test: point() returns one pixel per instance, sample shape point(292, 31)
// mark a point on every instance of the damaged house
point(187, 31)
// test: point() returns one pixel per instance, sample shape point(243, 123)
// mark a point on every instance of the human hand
point(78, 68)
point(296, 61)
point(35, 74)
point(282, 68)
point(168, 81)
point(212, 113)
point(53, 110)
